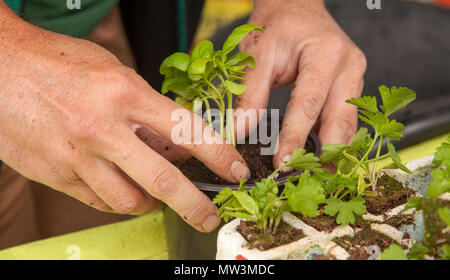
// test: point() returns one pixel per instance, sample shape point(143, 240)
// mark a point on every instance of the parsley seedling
point(209, 75)
point(264, 204)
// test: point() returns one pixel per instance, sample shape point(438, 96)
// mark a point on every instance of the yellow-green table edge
point(141, 238)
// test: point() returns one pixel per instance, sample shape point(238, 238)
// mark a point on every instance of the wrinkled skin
point(70, 111)
point(303, 46)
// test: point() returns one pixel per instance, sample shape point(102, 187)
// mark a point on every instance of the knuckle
point(164, 182)
point(347, 126)
point(220, 152)
point(196, 212)
point(126, 205)
point(312, 105)
point(359, 60)
point(337, 44)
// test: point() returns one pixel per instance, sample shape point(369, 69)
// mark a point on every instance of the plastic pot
point(186, 243)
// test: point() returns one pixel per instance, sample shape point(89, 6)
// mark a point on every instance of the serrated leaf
point(345, 210)
point(332, 152)
point(178, 61)
point(440, 183)
point(393, 252)
point(302, 160)
point(235, 88)
point(442, 155)
point(306, 196)
point(368, 103)
point(395, 98)
point(396, 159)
point(237, 35)
point(204, 49)
point(222, 196)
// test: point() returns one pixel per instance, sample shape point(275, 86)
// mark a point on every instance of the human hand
point(70, 111)
point(302, 45)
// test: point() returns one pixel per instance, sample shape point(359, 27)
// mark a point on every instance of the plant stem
point(230, 120)
point(364, 157)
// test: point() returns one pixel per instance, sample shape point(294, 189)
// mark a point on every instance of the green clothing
point(55, 15)
point(14, 5)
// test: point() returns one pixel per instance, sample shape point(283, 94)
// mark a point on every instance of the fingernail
point(239, 171)
point(287, 168)
point(211, 223)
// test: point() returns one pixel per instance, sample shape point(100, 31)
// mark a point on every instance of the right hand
point(69, 111)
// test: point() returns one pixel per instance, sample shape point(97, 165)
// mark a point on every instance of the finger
point(339, 120)
point(258, 81)
point(162, 146)
point(82, 192)
point(115, 190)
point(316, 74)
point(165, 182)
point(168, 120)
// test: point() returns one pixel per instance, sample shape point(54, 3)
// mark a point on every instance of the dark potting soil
point(390, 193)
point(256, 239)
point(260, 165)
point(321, 223)
point(398, 220)
point(357, 245)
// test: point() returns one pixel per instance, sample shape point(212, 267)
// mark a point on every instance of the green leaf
point(302, 160)
point(444, 212)
point(440, 183)
point(306, 196)
point(395, 98)
point(394, 252)
point(332, 152)
point(235, 88)
point(442, 155)
point(241, 58)
point(241, 215)
point(237, 35)
point(368, 103)
point(204, 49)
point(197, 68)
point(346, 209)
point(178, 61)
point(382, 125)
point(247, 202)
point(396, 159)
point(222, 196)
point(418, 251)
point(261, 189)
point(413, 202)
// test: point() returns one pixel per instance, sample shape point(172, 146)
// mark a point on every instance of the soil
point(323, 223)
point(389, 194)
point(398, 220)
point(357, 245)
point(285, 234)
point(260, 166)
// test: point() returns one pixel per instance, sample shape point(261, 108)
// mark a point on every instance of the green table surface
point(141, 238)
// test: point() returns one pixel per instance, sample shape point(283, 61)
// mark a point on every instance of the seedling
point(209, 75)
point(355, 170)
point(264, 205)
point(342, 192)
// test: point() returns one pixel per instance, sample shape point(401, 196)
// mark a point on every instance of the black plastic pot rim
point(281, 180)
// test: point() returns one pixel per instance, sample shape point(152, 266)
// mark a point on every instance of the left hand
point(302, 45)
